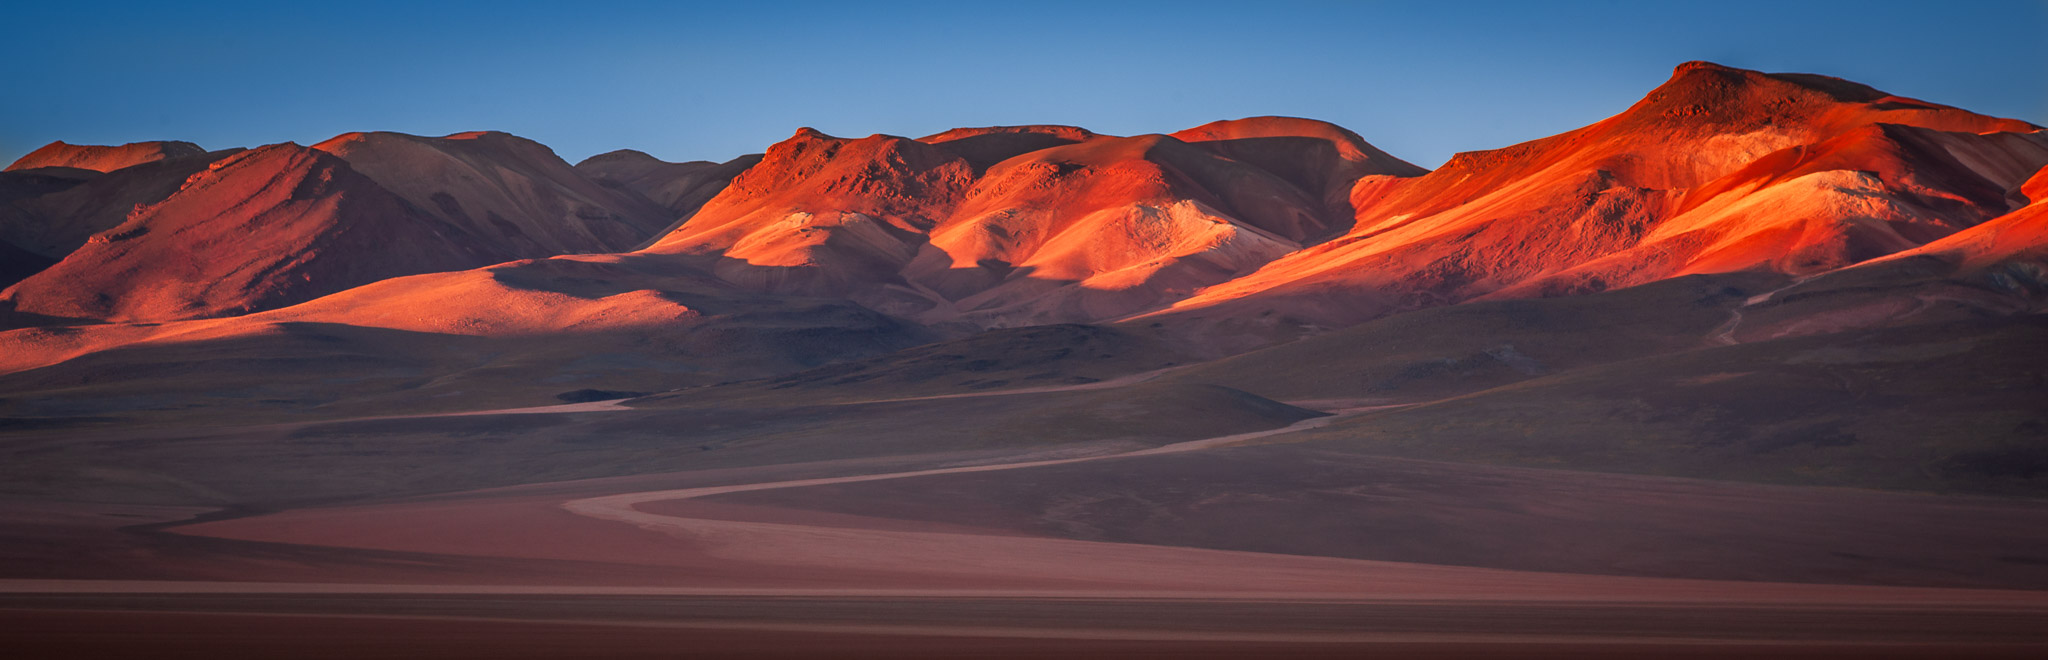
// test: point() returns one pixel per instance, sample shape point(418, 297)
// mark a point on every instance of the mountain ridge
point(1213, 240)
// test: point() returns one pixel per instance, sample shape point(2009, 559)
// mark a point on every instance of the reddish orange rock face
point(1026, 224)
point(1717, 170)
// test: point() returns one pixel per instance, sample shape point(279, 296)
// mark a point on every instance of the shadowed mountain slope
point(17, 264)
point(71, 205)
point(30, 184)
point(510, 195)
point(988, 145)
point(679, 187)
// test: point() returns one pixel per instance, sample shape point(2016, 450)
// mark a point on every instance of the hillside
point(1718, 170)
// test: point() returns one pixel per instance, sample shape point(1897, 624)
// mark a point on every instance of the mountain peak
point(808, 133)
point(1716, 97)
point(1058, 131)
point(345, 142)
point(1246, 139)
point(1711, 75)
point(623, 156)
point(1697, 65)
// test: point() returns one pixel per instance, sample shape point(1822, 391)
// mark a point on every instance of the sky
point(688, 81)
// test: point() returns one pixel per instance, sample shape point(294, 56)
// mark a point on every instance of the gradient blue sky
point(712, 81)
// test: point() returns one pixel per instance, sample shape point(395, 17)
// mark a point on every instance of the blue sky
point(712, 81)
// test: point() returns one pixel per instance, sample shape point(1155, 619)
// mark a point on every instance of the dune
point(497, 301)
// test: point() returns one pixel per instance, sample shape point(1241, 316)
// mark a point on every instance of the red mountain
point(54, 220)
point(1106, 227)
point(1232, 234)
point(210, 236)
point(1717, 170)
point(1028, 224)
point(263, 228)
point(1321, 158)
point(822, 214)
point(511, 195)
point(103, 158)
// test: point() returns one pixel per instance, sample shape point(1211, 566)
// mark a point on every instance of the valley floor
point(653, 565)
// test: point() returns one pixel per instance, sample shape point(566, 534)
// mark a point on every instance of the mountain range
point(1736, 225)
